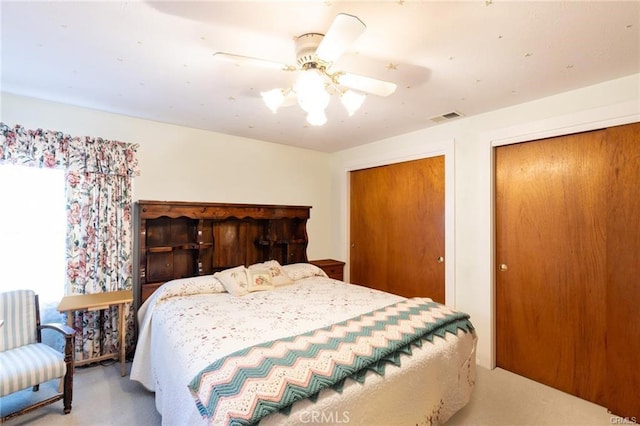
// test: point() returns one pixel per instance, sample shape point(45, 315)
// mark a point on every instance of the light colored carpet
point(503, 398)
point(102, 397)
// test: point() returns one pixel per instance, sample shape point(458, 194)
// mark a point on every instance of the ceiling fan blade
point(239, 59)
point(344, 30)
point(366, 84)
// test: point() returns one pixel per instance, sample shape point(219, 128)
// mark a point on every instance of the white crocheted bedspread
point(184, 328)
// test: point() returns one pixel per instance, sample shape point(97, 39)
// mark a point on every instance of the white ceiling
point(154, 60)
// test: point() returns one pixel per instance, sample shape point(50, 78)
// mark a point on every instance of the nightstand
point(333, 268)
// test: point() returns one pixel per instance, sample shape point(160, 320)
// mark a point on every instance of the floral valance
point(52, 149)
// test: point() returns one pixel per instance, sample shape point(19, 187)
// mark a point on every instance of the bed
point(193, 325)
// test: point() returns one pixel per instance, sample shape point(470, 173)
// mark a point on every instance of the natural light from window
point(32, 231)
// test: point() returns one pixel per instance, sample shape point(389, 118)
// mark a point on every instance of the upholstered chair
point(26, 362)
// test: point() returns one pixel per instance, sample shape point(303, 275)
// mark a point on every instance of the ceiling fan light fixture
point(317, 118)
point(352, 101)
point(311, 92)
point(273, 99)
point(316, 53)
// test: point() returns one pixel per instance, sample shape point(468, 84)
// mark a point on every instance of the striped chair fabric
point(29, 365)
point(23, 361)
point(18, 311)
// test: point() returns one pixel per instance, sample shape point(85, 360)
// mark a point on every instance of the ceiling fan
point(315, 55)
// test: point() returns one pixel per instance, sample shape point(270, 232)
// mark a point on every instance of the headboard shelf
point(175, 209)
point(177, 239)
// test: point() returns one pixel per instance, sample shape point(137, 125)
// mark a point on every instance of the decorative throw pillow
point(278, 275)
point(298, 271)
point(235, 280)
point(259, 279)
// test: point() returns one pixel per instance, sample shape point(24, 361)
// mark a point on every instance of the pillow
point(278, 275)
point(190, 285)
point(203, 284)
point(259, 279)
point(298, 271)
point(234, 280)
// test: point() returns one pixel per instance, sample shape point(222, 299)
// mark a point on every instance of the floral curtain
point(98, 177)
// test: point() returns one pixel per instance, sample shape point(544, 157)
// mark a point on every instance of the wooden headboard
point(182, 239)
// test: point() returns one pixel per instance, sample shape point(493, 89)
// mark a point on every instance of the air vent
point(445, 117)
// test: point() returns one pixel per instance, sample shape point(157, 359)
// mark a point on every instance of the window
point(32, 234)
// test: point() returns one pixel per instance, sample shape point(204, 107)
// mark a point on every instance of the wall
point(467, 144)
point(185, 164)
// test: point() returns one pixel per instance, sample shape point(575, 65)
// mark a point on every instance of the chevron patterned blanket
point(243, 387)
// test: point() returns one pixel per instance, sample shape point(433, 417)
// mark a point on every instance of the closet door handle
point(440, 259)
point(503, 267)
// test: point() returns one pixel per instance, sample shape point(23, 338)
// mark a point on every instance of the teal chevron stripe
point(341, 371)
point(337, 386)
point(267, 364)
point(313, 350)
point(376, 361)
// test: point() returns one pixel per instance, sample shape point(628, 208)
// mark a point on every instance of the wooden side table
point(333, 268)
point(97, 302)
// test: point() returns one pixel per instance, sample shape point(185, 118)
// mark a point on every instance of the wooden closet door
point(623, 276)
point(551, 254)
point(397, 228)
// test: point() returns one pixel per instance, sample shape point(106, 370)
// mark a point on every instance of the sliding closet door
point(551, 222)
point(397, 228)
point(369, 239)
point(623, 276)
